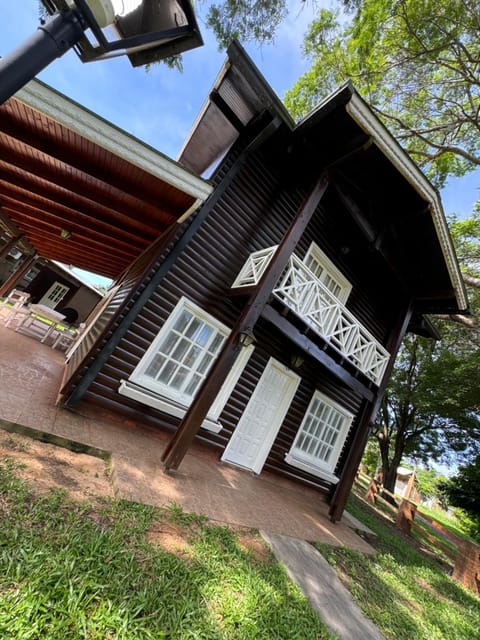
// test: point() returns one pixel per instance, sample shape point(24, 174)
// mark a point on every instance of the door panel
point(258, 427)
point(54, 295)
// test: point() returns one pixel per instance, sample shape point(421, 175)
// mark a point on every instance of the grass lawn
point(405, 591)
point(119, 570)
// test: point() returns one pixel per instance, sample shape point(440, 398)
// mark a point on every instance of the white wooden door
point(54, 295)
point(257, 428)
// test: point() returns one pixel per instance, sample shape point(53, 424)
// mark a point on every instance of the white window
point(327, 273)
point(178, 360)
point(320, 438)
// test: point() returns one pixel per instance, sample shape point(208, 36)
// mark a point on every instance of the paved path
point(319, 582)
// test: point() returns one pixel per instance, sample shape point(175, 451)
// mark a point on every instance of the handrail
point(301, 291)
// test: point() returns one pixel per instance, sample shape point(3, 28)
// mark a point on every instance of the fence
point(464, 554)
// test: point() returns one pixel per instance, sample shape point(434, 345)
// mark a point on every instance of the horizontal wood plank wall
point(254, 214)
point(131, 285)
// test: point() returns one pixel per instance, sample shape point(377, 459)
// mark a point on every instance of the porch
point(30, 374)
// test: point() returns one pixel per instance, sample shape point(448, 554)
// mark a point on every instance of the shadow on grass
point(68, 571)
point(405, 593)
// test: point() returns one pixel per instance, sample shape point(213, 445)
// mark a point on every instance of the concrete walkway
point(319, 583)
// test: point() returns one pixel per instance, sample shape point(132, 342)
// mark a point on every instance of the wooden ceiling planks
point(53, 178)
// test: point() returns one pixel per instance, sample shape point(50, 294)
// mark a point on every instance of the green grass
point(98, 572)
point(405, 592)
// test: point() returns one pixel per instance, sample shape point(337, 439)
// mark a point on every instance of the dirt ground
point(46, 466)
point(84, 477)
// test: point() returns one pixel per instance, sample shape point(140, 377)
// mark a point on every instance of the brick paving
point(30, 375)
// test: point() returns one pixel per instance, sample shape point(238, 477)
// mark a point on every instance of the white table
point(44, 312)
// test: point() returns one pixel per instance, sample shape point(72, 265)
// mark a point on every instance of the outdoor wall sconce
point(144, 30)
point(246, 338)
point(296, 360)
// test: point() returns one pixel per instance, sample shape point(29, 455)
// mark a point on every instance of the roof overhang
point(343, 134)
point(361, 113)
point(64, 167)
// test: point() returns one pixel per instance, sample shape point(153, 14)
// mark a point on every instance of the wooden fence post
point(406, 515)
point(467, 565)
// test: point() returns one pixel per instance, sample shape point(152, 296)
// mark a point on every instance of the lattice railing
point(306, 295)
point(301, 291)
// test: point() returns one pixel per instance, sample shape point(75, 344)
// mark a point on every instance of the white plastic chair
point(13, 306)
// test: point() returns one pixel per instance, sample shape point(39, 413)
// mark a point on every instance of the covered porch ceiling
point(64, 171)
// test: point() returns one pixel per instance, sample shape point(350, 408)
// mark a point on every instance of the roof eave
point(43, 98)
point(361, 113)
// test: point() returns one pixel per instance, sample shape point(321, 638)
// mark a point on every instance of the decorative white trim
point(302, 292)
point(151, 399)
point(254, 268)
point(314, 471)
point(55, 105)
point(359, 111)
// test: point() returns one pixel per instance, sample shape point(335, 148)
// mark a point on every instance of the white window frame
point(330, 270)
point(144, 389)
point(302, 460)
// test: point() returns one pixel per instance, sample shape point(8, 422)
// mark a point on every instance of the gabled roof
point(63, 167)
point(344, 122)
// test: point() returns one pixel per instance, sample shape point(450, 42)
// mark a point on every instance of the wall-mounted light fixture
point(296, 360)
point(65, 234)
point(246, 337)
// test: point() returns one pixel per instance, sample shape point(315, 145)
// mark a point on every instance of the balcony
point(302, 292)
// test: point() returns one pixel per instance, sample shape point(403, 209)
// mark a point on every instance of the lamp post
point(144, 30)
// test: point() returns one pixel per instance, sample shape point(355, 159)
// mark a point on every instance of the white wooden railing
point(301, 291)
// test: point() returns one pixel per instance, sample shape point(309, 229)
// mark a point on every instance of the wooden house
point(53, 284)
point(266, 324)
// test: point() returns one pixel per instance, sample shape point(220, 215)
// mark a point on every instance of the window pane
point(186, 350)
point(318, 440)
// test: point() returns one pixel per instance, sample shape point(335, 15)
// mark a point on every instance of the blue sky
point(159, 106)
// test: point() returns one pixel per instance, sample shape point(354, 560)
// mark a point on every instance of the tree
point(429, 482)
point(462, 489)
point(245, 20)
point(417, 64)
point(430, 408)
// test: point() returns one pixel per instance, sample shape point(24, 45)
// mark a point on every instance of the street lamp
point(144, 30)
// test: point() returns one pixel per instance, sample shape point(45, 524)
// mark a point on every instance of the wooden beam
point(5, 250)
point(226, 111)
point(365, 418)
point(196, 413)
point(17, 275)
point(317, 353)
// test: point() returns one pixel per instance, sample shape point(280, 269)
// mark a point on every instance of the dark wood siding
point(253, 214)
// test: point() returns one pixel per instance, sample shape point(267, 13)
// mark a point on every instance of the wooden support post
point(5, 250)
point(366, 416)
point(188, 428)
point(17, 275)
point(405, 516)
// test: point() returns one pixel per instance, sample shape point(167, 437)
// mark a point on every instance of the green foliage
point(415, 63)
point(428, 483)
point(462, 489)
point(70, 570)
point(245, 20)
point(371, 457)
point(406, 593)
